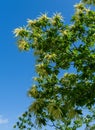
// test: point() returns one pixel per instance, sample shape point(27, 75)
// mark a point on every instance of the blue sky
point(17, 68)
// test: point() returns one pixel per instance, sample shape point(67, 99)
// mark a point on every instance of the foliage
point(60, 100)
point(89, 1)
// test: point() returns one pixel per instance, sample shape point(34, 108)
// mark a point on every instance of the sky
point(17, 69)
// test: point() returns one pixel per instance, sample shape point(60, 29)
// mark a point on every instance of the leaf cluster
point(58, 48)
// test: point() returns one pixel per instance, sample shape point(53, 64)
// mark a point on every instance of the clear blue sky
point(17, 68)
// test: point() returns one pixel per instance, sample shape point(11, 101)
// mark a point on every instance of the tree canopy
point(65, 84)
